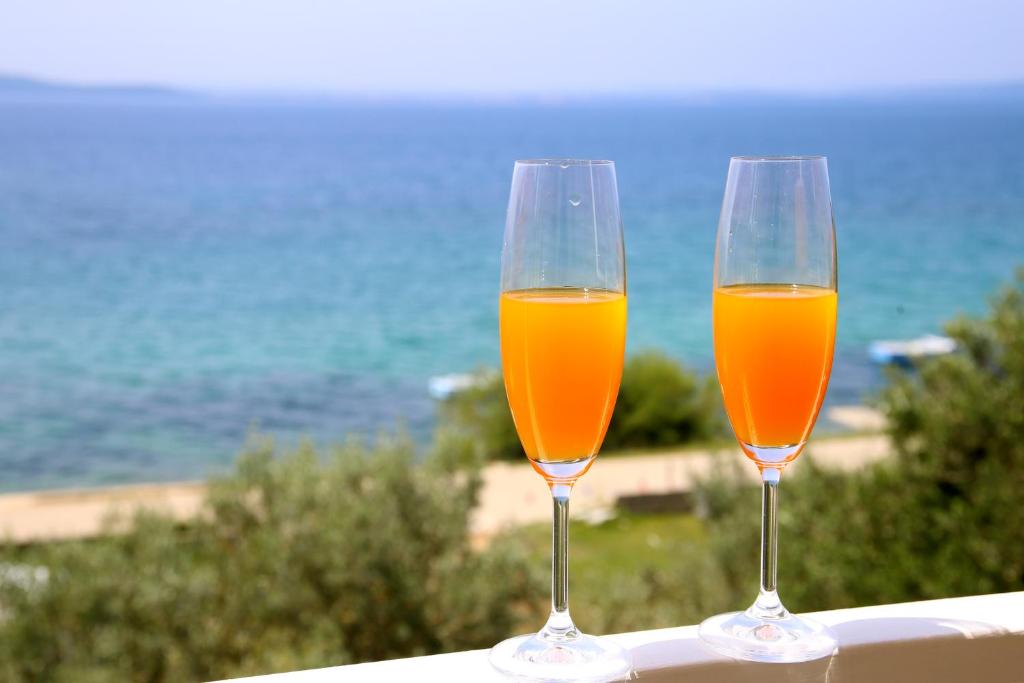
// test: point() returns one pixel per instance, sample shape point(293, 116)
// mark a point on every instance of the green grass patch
point(602, 555)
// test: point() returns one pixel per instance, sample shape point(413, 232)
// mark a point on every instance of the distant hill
point(22, 87)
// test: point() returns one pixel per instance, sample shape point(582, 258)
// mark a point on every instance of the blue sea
point(174, 274)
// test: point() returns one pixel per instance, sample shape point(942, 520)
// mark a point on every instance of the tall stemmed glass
point(563, 335)
point(775, 298)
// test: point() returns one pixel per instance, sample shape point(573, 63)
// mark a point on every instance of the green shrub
point(660, 403)
point(296, 562)
point(481, 414)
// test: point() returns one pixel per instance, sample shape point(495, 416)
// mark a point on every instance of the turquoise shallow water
point(174, 274)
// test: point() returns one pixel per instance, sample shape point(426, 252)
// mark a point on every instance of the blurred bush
point(480, 413)
point(298, 561)
point(660, 403)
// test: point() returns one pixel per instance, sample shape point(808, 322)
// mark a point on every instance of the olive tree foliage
point(298, 560)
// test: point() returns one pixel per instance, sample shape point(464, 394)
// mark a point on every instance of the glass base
point(580, 658)
point(785, 638)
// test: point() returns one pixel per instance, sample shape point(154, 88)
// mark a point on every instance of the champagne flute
point(775, 298)
point(563, 334)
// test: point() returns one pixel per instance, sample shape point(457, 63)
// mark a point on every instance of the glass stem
point(768, 605)
point(559, 625)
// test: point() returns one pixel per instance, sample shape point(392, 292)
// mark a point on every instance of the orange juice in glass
point(773, 351)
point(561, 355)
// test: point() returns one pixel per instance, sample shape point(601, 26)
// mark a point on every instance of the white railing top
point(959, 640)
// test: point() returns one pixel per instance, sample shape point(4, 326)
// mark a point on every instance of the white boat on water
point(443, 386)
point(904, 351)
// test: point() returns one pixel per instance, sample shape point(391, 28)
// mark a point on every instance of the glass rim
point(778, 158)
point(564, 162)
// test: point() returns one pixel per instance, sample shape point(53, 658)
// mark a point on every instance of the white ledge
point(959, 640)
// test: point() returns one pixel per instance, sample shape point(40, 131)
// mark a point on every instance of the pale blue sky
point(485, 47)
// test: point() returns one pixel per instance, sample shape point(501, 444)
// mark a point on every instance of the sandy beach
point(512, 493)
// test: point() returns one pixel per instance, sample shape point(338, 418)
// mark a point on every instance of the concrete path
point(513, 494)
point(80, 513)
